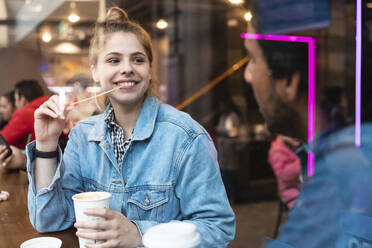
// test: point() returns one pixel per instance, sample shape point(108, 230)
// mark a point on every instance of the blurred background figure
point(82, 87)
point(287, 168)
point(334, 105)
point(28, 95)
point(7, 107)
point(227, 132)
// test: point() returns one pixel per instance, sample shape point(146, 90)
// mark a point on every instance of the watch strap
point(41, 154)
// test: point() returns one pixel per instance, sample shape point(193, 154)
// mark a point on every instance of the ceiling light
point(67, 48)
point(162, 24)
point(248, 16)
point(236, 1)
point(73, 18)
point(47, 37)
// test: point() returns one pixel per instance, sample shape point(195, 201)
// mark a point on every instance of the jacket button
point(147, 201)
point(117, 182)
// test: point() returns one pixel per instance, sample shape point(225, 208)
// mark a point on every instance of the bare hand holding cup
point(100, 227)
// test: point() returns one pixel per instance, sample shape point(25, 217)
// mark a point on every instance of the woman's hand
point(115, 231)
point(17, 160)
point(49, 123)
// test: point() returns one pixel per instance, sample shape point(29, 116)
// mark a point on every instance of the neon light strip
point(358, 69)
point(311, 79)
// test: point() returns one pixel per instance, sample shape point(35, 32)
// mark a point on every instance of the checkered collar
point(110, 117)
point(144, 126)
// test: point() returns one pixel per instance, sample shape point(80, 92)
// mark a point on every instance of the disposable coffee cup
point(172, 234)
point(42, 242)
point(87, 200)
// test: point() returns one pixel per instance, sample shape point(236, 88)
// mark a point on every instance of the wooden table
point(15, 226)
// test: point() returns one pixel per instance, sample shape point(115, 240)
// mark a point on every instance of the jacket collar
point(144, 126)
point(330, 139)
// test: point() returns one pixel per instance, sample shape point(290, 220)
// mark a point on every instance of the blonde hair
point(117, 20)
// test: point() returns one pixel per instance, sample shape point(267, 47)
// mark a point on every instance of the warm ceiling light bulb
point(248, 16)
point(162, 24)
point(47, 37)
point(236, 1)
point(73, 18)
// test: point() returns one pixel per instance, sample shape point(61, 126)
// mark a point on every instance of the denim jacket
point(169, 173)
point(342, 182)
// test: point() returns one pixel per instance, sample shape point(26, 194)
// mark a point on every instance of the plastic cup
point(42, 242)
point(87, 200)
point(172, 234)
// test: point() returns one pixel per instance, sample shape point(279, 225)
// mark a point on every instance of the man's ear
point(94, 73)
point(24, 101)
point(287, 88)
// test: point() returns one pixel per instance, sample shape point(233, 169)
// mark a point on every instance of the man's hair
point(284, 59)
point(10, 97)
point(30, 89)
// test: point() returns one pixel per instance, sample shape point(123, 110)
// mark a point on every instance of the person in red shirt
point(28, 95)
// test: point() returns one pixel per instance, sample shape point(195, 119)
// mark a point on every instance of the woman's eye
point(139, 60)
point(113, 60)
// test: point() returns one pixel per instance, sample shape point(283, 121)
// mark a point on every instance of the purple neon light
point(311, 79)
point(252, 36)
point(358, 69)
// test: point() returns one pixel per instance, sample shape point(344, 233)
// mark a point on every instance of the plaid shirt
point(117, 136)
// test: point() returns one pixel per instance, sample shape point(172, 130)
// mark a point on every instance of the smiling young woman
point(158, 163)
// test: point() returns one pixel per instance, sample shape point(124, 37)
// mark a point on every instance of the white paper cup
point(170, 235)
point(86, 200)
point(42, 242)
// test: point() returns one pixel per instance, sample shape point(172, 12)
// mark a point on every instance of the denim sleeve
point(342, 181)
point(51, 208)
point(203, 199)
point(311, 222)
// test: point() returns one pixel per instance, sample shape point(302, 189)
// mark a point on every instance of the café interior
point(200, 61)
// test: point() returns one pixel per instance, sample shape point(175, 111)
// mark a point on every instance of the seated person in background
point(80, 83)
point(335, 202)
point(7, 107)
point(19, 131)
point(28, 96)
point(287, 168)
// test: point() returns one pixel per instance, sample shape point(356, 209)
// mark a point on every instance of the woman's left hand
point(115, 231)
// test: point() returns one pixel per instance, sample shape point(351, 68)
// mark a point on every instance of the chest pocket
point(147, 204)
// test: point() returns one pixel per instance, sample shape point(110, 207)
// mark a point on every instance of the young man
point(28, 96)
point(335, 203)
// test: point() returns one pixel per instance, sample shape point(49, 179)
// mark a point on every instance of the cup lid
point(42, 242)
point(172, 234)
